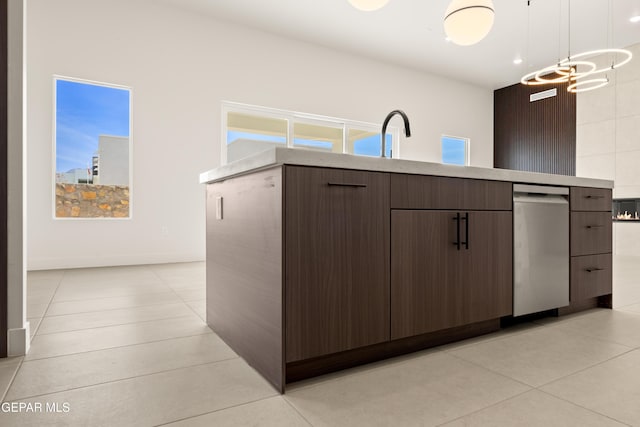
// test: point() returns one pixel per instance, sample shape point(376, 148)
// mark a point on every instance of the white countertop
point(293, 156)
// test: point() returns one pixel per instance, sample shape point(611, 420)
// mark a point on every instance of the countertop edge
point(290, 156)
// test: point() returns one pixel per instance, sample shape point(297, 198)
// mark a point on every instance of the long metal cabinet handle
point(466, 230)
point(589, 270)
point(457, 220)
point(593, 197)
point(595, 226)
point(344, 184)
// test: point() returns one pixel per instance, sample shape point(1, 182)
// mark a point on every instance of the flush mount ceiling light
point(635, 19)
point(368, 5)
point(466, 22)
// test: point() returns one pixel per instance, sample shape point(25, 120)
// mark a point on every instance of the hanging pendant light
point(566, 70)
point(368, 5)
point(466, 22)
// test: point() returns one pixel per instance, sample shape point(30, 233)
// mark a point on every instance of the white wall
point(608, 141)
point(181, 66)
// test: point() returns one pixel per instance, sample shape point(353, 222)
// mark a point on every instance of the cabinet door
point(435, 285)
point(488, 266)
point(337, 260)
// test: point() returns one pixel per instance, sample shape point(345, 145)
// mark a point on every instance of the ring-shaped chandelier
point(612, 51)
point(587, 85)
point(566, 70)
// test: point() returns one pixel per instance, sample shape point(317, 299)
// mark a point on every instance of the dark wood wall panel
point(537, 136)
point(4, 37)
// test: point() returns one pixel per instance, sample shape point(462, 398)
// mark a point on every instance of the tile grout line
point(113, 309)
point(537, 387)
point(21, 398)
point(556, 379)
point(215, 410)
point(64, 272)
point(185, 302)
point(109, 310)
point(118, 346)
point(15, 373)
point(493, 372)
point(284, 397)
point(587, 367)
point(132, 285)
point(116, 324)
point(486, 407)
point(593, 411)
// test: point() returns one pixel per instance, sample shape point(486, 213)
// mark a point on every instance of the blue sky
point(453, 151)
point(83, 112)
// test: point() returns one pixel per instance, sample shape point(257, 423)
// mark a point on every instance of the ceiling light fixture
point(368, 5)
point(587, 85)
point(466, 22)
point(517, 61)
point(635, 19)
point(566, 70)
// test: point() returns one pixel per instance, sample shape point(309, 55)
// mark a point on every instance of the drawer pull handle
point(466, 230)
point(344, 184)
point(593, 197)
point(589, 270)
point(457, 243)
point(595, 226)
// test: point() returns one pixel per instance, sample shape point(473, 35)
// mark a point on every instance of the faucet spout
point(407, 129)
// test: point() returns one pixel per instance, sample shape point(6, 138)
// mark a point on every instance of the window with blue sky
point(250, 129)
point(92, 149)
point(455, 150)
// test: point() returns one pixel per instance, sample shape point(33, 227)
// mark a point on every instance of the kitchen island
point(320, 261)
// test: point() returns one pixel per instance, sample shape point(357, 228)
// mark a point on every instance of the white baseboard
point(18, 340)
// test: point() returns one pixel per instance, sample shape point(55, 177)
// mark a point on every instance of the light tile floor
point(129, 346)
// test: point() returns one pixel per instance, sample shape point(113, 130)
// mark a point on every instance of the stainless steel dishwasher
point(540, 248)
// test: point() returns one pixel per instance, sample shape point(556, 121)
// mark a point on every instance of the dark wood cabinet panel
point(591, 233)
point(244, 269)
point(590, 199)
point(538, 136)
point(337, 260)
point(435, 285)
point(432, 192)
point(591, 276)
point(488, 266)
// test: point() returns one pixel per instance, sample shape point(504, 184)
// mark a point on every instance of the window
point(250, 129)
point(92, 150)
point(455, 150)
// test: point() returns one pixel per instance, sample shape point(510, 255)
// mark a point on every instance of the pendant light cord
point(569, 33)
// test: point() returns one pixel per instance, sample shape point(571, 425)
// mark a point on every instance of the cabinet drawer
point(590, 233)
point(591, 276)
point(590, 199)
point(430, 192)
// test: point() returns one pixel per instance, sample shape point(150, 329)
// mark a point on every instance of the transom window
point(249, 129)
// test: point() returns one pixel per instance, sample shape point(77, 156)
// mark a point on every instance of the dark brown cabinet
point(311, 269)
point(591, 247)
point(451, 252)
point(449, 268)
point(337, 260)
